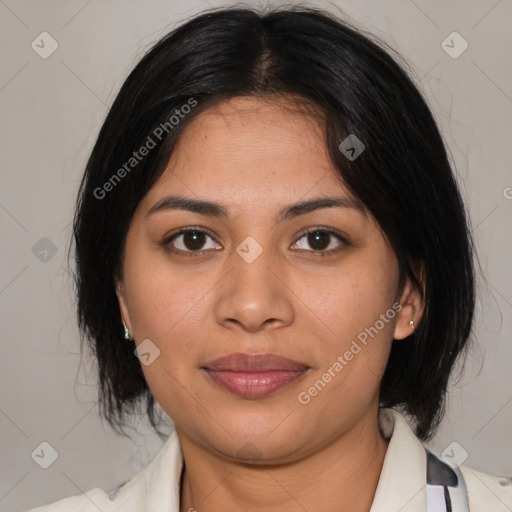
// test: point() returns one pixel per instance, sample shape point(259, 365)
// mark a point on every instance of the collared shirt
point(401, 487)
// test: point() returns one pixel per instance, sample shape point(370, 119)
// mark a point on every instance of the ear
point(123, 306)
point(412, 301)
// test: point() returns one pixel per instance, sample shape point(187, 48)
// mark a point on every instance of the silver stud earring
point(127, 336)
point(411, 323)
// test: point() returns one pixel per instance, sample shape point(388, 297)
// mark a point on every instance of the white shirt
point(401, 487)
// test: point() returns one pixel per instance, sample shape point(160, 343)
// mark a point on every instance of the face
point(256, 276)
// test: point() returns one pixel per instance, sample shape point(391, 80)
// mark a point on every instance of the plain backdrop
point(51, 110)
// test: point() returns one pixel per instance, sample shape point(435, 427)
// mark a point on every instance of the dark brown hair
point(403, 178)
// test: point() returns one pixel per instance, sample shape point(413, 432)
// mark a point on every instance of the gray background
point(51, 112)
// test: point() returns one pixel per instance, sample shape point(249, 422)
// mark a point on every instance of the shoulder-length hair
point(403, 178)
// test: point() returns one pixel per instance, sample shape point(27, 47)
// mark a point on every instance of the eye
point(321, 239)
point(189, 241)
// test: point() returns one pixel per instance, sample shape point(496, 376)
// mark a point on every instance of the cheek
point(354, 352)
point(165, 308)
point(163, 298)
point(354, 298)
point(170, 313)
point(355, 312)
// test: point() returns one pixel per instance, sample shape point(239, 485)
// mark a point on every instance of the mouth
point(253, 376)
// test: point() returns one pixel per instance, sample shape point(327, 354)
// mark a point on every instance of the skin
point(255, 157)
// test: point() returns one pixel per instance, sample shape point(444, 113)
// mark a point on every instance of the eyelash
point(321, 253)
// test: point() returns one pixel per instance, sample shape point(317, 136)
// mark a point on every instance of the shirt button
point(505, 481)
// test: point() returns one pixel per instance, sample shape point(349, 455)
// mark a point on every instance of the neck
point(341, 476)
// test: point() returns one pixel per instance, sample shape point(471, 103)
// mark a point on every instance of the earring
point(127, 336)
point(411, 323)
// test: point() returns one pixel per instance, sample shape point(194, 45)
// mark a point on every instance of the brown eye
point(193, 240)
point(321, 239)
point(190, 241)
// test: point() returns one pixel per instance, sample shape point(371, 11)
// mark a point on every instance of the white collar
point(401, 484)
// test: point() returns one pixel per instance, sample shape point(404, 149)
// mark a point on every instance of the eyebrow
point(220, 211)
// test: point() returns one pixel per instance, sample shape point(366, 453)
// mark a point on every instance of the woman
point(270, 220)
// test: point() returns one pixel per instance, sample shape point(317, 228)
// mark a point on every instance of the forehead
point(283, 112)
point(252, 160)
point(250, 143)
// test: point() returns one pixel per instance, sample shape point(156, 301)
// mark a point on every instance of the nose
point(255, 295)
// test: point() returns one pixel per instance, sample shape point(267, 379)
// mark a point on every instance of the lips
point(254, 376)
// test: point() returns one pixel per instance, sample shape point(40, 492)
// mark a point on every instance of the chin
point(268, 442)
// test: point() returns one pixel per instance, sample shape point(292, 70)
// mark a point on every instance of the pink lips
point(254, 376)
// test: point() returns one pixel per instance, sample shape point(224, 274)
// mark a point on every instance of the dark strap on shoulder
point(446, 489)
